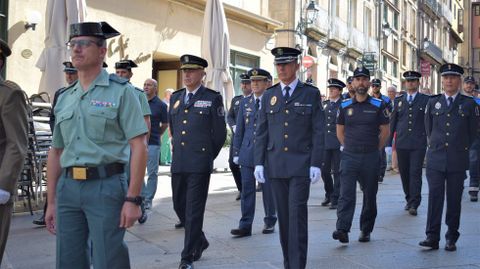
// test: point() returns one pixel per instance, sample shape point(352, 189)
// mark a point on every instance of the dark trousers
point(235, 168)
point(5, 217)
point(410, 164)
point(474, 171)
point(190, 191)
point(438, 183)
point(331, 166)
point(291, 196)
point(248, 200)
point(361, 167)
point(383, 163)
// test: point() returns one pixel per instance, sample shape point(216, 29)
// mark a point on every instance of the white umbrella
point(216, 49)
point(59, 15)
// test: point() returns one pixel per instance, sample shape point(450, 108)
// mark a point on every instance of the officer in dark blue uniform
point(376, 93)
point(243, 155)
point(289, 143)
point(331, 158)
point(197, 124)
point(407, 120)
point(362, 128)
point(351, 91)
point(474, 167)
point(232, 121)
point(451, 122)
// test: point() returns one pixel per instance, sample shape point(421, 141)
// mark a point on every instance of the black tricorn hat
point(125, 64)
point(97, 29)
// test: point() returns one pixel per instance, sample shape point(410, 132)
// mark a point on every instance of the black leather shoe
point(333, 206)
point(179, 225)
point(325, 202)
point(412, 211)
point(364, 237)
point(473, 196)
point(259, 187)
point(341, 236)
point(185, 265)
point(198, 253)
point(380, 179)
point(429, 243)
point(241, 232)
point(239, 196)
point(40, 221)
point(268, 229)
point(450, 246)
point(407, 207)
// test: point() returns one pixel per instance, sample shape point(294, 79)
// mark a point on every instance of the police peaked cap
point(451, 69)
point(192, 62)
point(258, 73)
point(411, 75)
point(333, 82)
point(284, 55)
point(376, 82)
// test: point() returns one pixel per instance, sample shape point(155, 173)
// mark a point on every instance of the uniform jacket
point(198, 130)
point(290, 135)
point(408, 120)
point(13, 134)
point(331, 110)
point(243, 140)
point(233, 111)
point(450, 131)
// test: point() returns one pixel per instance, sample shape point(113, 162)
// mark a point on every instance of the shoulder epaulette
point(211, 91)
point(307, 85)
point(178, 91)
point(346, 102)
point(273, 86)
point(117, 79)
point(376, 102)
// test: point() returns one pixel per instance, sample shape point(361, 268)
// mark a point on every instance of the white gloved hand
point(235, 160)
point(234, 128)
point(341, 148)
point(388, 150)
point(4, 197)
point(258, 173)
point(315, 173)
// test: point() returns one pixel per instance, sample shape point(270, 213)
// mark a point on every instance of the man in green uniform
point(98, 122)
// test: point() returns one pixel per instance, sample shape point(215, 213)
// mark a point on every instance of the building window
point(395, 21)
point(384, 63)
point(367, 25)
point(353, 13)
point(394, 69)
point(395, 47)
point(239, 64)
point(385, 13)
point(476, 10)
point(413, 21)
point(404, 53)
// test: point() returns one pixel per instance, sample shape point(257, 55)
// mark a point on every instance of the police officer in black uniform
point(232, 121)
point(407, 120)
point(197, 124)
point(331, 158)
point(474, 167)
point(351, 91)
point(451, 122)
point(289, 143)
point(362, 128)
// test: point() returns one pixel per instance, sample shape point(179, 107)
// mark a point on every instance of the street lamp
point(311, 14)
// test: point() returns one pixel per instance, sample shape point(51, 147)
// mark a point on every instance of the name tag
point(302, 105)
point(203, 104)
point(99, 103)
point(369, 111)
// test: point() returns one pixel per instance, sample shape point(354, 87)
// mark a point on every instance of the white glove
point(4, 197)
point(258, 173)
point(388, 150)
point(235, 160)
point(314, 174)
point(234, 127)
point(341, 148)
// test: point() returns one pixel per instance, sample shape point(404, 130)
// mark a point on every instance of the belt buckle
point(79, 173)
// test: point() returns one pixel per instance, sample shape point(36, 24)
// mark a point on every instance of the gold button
point(254, 133)
point(285, 149)
point(466, 148)
point(446, 144)
point(286, 136)
point(203, 149)
point(183, 132)
point(410, 108)
point(186, 110)
point(409, 122)
point(183, 143)
point(328, 124)
point(286, 111)
point(328, 131)
point(201, 112)
point(436, 114)
point(184, 121)
point(448, 123)
point(409, 130)
point(271, 111)
point(286, 123)
point(447, 134)
point(448, 115)
point(410, 115)
point(255, 125)
point(329, 118)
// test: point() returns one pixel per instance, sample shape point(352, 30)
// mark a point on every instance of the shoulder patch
point(346, 102)
point(117, 79)
point(376, 102)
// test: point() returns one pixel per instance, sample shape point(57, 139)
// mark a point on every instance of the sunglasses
point(83, 43)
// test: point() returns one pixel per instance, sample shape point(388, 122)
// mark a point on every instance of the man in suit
point(451, 122)
point(13, 144)
point(243, 155)
point(407, 120)
point(289, 148)
point(474, 167)
point(197, 123)
point(331, 159)
point(232, 114)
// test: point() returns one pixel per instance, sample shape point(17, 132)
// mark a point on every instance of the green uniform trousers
point(86, 210)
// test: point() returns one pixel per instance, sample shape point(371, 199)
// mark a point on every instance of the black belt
point(361, 149)
point(96, 172)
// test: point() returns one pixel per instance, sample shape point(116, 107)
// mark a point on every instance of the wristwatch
point(136, 200)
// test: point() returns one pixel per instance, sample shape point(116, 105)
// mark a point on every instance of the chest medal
point(273, 101)
point(177, 103)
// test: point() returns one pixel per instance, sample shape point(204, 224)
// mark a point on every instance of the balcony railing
point(322, 22)
point(372, 45)
point(434, 6)
point(339, 30)
point(357, 39)
point(432, 50)
point(447, 13)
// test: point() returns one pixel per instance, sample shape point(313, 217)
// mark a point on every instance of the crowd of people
point(285, 136)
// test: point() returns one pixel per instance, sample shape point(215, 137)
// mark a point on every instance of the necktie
point(287, 93)
point(410, 99)
point(450, 101)
point(189, 96)
point(257, 104)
